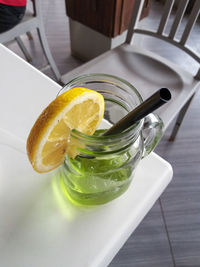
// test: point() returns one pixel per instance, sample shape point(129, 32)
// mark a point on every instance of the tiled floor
point(169, 240)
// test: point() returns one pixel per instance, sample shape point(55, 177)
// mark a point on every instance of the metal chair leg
point(179, 119)
point(47, 52)
point(23, 48)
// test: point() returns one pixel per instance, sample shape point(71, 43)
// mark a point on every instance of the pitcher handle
point(152, 132)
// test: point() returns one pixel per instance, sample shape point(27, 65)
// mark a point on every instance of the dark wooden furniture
point(110, 18)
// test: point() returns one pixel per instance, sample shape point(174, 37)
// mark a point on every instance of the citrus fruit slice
point(49, 139)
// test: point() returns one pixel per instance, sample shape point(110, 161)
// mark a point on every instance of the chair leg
point(23, 48)
point(180, 118)
point(47, 52)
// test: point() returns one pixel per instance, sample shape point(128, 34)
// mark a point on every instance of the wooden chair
point(31, 21)
point(149, 71)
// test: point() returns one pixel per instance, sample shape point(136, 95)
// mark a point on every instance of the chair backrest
point(160, 32)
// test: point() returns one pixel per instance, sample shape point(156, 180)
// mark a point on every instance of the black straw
point(159, 98)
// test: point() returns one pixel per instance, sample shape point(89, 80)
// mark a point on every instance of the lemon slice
point(48, 142)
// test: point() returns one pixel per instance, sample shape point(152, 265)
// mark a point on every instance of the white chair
point(147, 70)
point(31, 21)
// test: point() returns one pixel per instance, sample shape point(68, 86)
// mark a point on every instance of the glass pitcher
point(105, 166)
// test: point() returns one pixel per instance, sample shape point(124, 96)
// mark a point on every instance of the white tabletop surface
point(38, 225)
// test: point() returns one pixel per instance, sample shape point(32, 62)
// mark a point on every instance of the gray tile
point(147, 246)
point(181, 200)
point(181, 204)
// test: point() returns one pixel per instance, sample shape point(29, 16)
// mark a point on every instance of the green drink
point(96, 179)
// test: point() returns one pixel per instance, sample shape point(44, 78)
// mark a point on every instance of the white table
point(38, 226)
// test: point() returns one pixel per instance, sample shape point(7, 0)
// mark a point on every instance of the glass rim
point(106, 75)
